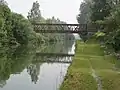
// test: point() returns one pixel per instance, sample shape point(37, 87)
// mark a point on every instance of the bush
point(113, 29)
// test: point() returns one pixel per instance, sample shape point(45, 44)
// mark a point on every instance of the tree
point(35, 15)
point(104, 12)
point(84, 15)
point(100, 10)
point(14, 28)
point(5, 23)
point(21, 28)
point(3, 2)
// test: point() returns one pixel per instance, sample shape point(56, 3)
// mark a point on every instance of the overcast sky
point(65, 10)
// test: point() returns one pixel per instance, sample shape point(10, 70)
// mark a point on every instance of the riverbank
point(91, 69)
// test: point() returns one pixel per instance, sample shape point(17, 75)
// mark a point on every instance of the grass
point(90, 56)
point(110, 79)
point(78, 80)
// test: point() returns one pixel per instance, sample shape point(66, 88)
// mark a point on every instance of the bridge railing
point(65, 28)
point(60, 28)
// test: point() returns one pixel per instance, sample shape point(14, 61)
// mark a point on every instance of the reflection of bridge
point(53, 58)
point(60, 28)
point(55, 54)
point(52, 61)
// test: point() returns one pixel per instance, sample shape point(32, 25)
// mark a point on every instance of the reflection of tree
point(5, 65)
point(14, 61)
point(34, 70)
point(2, 83)
point(22, 57)
point(58, 47)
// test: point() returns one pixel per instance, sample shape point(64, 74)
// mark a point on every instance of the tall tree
point(100, 10)
point(5, 23)
point(83, 16)
point(35, 15)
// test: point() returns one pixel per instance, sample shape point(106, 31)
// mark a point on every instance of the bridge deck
point(65, 28)
point(59, 28)
point(49, 24)
point(61, 31)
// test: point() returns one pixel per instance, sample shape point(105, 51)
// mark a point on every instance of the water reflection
point(21, 64)
point(34, 71)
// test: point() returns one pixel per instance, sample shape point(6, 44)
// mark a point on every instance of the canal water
point(41, 68)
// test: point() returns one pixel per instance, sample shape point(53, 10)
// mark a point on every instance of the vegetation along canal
point(36, 49)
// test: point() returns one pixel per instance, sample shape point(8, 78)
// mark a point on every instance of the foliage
point(5, 29)
point(14, 28)
point(34, 16)
point(99, 34)
point(84, 16)
point(100, 9)
point(21, 28)
point(113, 28)
point(105, 12)
point(14, 61)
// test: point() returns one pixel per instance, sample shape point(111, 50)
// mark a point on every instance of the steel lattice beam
point(61, 28)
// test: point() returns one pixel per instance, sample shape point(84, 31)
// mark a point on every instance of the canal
point(30, 68)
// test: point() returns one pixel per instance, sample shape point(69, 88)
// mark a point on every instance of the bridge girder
point(60, 28)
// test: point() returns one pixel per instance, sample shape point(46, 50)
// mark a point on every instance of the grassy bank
point(92, 69)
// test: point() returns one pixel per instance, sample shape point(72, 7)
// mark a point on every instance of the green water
point(22, 69)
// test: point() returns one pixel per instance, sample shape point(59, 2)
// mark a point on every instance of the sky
point(65, 10)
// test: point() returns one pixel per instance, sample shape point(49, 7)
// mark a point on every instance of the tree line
point(15, 29)
point(106, 13)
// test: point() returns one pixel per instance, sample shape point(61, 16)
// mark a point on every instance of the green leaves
point(100, 34)
point(13, 27)
point(105, 12)
point(100, 9)
point(85, 13)
point(34, 14)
